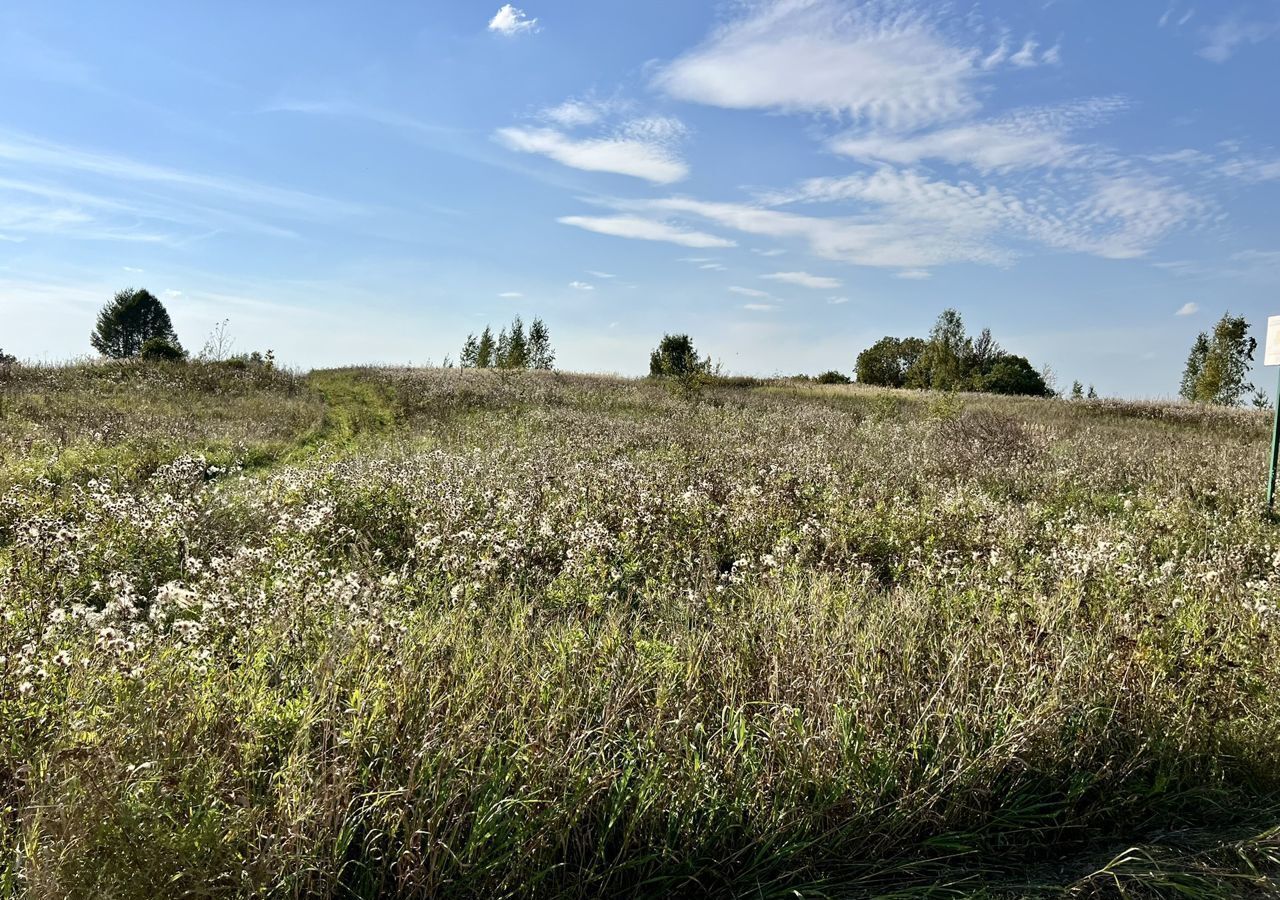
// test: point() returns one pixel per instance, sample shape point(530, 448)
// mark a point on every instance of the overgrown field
point(377, 633)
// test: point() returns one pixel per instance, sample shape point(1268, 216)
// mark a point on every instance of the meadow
point(440, 633)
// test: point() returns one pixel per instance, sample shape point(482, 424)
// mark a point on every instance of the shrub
point(158, 349)
point(834, 377)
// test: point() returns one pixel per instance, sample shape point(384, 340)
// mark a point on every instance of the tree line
point(513, 349)
point(136, 325)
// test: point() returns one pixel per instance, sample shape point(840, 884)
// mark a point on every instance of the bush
point(834, 377)
point(158, 349)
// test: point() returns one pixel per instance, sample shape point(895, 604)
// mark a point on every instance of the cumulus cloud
point(1187, 309)
point(804, 279)
point(876, 61)
point(643, 229)
point(511, 21)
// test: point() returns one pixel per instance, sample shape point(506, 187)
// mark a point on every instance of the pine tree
point(504, 347)
point(470, 353)
point(1077, 390)
point(130, 320)
point(541, 356)
point(515, 354)
point(485, 349)
point(1194, 368)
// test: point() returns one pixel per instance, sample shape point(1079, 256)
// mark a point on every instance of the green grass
point(368, 633)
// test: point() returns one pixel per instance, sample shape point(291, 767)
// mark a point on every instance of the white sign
point(1273, 342)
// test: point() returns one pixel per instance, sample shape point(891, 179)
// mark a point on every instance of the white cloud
point(871, 243)
point(511, 295)
point(748, 292)
point(132, 269)
point(1030, 138)
point(601, 274)
point(639, 228)
point(1186, 157)
point(1187, 309)
point(581, 286)
point(574, 113)
point(650, 160)
point(1223, 39)
point(837, 301)
point(877, 61)
point(171, 294)
point(1251, 169)
point(776, 251)
point(905, 220)
point(914, 274)
point(760, 307)
point(511, 21)
point(712, 266)
point(1026, 57)
point(804, 279)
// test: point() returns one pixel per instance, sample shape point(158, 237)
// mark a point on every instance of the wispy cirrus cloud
point(748, 292)
point(640, 228)
point(1221, 41)
point(905, 220)
point(648, 160)
point(804, 279)
point(36, 154)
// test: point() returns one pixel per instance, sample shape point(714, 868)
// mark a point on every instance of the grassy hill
point(372, 632)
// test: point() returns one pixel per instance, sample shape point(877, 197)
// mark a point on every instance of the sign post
point(1272, 358)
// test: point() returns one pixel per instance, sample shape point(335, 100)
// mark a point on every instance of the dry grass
point(480, 635)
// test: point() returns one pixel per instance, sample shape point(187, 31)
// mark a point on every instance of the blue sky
point(786, 180)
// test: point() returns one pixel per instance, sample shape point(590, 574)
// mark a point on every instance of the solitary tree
point(1077, 390)
point(541, 356)
point(1218, 366)
point(485, 349)
point(675, 355)
point(130, 320)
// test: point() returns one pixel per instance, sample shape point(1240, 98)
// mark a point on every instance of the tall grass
point(461, 634)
